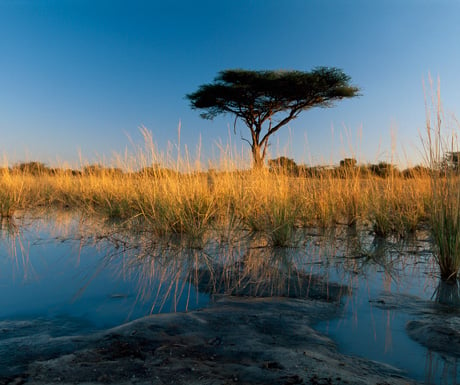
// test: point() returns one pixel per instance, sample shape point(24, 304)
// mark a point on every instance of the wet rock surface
point(435, 325)
point(23, 341)
point(236, 340)
point(441, 335)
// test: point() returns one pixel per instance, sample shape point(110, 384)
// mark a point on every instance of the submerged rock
point(437, 324)
point(243, 340)
point(439, 334)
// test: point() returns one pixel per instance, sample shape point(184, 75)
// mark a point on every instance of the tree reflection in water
point(171, 272)
point(167, 270)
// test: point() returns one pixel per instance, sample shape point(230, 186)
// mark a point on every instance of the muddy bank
point(236, 340)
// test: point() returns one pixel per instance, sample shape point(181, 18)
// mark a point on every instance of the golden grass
point(174, 200)
point(444, 200)
point(196, 205)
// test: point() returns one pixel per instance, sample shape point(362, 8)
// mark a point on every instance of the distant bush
point(156, 171)
point(283, 165)
point(32, 168)
point(96, 169)
point(311, 172)
point(383, 169)
point(451, 161)
point(415, 172)
point(348, 163)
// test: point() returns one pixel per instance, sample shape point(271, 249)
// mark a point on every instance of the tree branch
point(246, 140)
point(258, 96)
point(292, 115)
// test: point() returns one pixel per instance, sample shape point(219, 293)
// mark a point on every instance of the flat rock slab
point(24, 341)
point(235, 341)
point(441, 335)
point(437, 325)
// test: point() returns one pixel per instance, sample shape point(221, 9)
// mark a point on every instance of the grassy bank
point(197, 204)
point(175, 197)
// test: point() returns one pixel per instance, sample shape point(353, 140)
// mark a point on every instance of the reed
point(398, 205)
point(444, 210)
point(11, 195)
point(271, 206)
point(169, 195)
point(256, 201)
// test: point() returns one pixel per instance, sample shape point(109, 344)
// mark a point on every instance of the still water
point(396, 285)
point(52, 271)
point(95, 278)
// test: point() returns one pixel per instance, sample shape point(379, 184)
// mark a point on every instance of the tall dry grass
point(177, 197)
point(444, 210)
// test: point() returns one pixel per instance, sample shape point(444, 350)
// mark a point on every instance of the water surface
point(51, 271)
point(76, 276)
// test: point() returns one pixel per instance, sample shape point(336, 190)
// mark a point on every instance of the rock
point(437, 325)
point(23, 341)
point(439, 334)
point(236, 340)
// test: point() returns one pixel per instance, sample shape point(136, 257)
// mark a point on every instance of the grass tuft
point(444, 210)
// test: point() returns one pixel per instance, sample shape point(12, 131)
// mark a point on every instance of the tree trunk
point(257, 147)
point(257, 158)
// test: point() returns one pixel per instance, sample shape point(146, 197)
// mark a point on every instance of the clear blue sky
point(83, 75)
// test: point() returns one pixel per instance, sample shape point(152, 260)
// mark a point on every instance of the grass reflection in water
point(171, 273)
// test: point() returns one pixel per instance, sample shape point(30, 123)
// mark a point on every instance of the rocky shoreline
point(236, 340)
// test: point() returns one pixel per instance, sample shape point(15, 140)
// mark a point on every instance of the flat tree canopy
point(268, 100)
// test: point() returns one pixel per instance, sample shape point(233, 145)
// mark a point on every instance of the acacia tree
point(267, 100)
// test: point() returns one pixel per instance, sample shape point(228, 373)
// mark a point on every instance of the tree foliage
point(383, 169)
point(32, 168)
point(267, 100)
point(451, 161)
point(348, 163)
point(284, 165)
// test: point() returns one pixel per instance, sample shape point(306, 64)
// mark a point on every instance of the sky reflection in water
point(55, 268)
point(369, 327)
point(48, 271)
